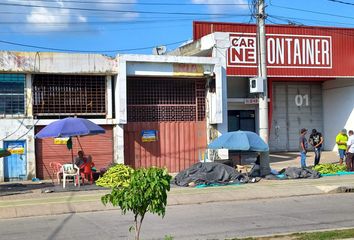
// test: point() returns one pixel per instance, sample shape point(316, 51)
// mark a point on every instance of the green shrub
point(146, 191)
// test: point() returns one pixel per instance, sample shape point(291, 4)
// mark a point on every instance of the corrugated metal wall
point(100, 147)
point(175, 107)
point(179, 145)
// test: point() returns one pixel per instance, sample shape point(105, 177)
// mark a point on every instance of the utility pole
point(262, 72)
point(263, 98)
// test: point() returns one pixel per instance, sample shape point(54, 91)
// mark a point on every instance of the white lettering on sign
point(297, 51)
point(244, 50)
point(301, 99)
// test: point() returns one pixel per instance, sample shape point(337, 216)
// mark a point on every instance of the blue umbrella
point(241, 141)
point(70, 127)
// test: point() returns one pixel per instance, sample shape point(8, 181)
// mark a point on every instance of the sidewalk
point(36, 203)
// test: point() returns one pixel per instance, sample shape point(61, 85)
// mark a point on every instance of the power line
point(146, 4)
point(114, 22)
point(85, 51)
point(342, 2)
point(343, 33)
point(310, 11)
point(114, 10)
point(287, 19)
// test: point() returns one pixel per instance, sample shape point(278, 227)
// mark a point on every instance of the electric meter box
point(257, 84)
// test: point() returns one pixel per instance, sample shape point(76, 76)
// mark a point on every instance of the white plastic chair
point(71, 170)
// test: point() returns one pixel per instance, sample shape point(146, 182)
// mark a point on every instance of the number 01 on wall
point(302, 100)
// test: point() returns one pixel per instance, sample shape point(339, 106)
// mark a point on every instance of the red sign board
point(292, 51)
point(283, 51)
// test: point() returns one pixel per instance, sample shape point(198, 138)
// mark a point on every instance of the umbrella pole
point(72, 157)
point(77, 137)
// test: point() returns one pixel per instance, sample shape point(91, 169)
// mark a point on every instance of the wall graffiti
point(15, 61)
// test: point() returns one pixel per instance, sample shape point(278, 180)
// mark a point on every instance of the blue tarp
point(337, 174)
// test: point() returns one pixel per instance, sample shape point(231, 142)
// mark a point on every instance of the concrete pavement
point(36, 203)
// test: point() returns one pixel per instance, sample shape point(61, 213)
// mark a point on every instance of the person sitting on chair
point(86, 170)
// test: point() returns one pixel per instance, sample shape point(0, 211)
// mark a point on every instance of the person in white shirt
point(350, 152)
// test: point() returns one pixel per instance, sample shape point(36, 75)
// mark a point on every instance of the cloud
point(223, 8)
point(63, 16)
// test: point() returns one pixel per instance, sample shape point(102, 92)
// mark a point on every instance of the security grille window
point(69, 94)
point(12, 97)
point(157, 100)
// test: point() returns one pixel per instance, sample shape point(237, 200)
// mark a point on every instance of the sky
point(136, 27)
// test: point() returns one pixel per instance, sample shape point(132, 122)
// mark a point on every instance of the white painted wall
point(118, 144)
point(338, 109)
point(220, 43)
point(46, 62)
point(18, 129)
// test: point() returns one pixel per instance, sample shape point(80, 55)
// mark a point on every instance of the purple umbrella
point(70, 127)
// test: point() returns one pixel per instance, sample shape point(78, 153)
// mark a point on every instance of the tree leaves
point(140, 191)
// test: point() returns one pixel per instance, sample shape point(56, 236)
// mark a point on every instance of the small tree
point(146, 192)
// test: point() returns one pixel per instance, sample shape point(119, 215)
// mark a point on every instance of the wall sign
point(60, 141)
point(251, 100)
point(16, 149)
point(149, 135)
point(283, 51)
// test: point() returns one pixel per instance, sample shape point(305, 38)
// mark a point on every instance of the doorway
point(241, 120)
point(15, 165)
point(244, 120)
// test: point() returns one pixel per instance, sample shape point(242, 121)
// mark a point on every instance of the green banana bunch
point(116, 177)
point(329, 168)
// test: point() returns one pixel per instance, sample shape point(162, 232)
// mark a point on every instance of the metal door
point(99, 147)
point(295, 106)
point(172, 108)
point(15, 165)
point(278, 140)
point(178, 145)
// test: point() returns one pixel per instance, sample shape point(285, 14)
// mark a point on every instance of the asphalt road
point(203, 221)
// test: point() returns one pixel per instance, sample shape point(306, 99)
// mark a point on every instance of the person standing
point(303, 147)
point(316, 141)
point(341, 140)
point(349, 160)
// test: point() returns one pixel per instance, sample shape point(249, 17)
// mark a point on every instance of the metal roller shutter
point(100, 147)
point(175, 109)
point(295, 106)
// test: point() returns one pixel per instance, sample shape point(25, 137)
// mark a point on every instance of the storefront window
point(12, 98)
point(68, 95)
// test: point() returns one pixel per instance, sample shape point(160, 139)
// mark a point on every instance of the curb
point(92, 203)
point(75, 202)
point(309, 231)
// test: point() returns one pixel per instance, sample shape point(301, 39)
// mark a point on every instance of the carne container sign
point(283, 51)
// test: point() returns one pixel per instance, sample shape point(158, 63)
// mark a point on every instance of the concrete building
point(121, 94)
point(310, 78)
